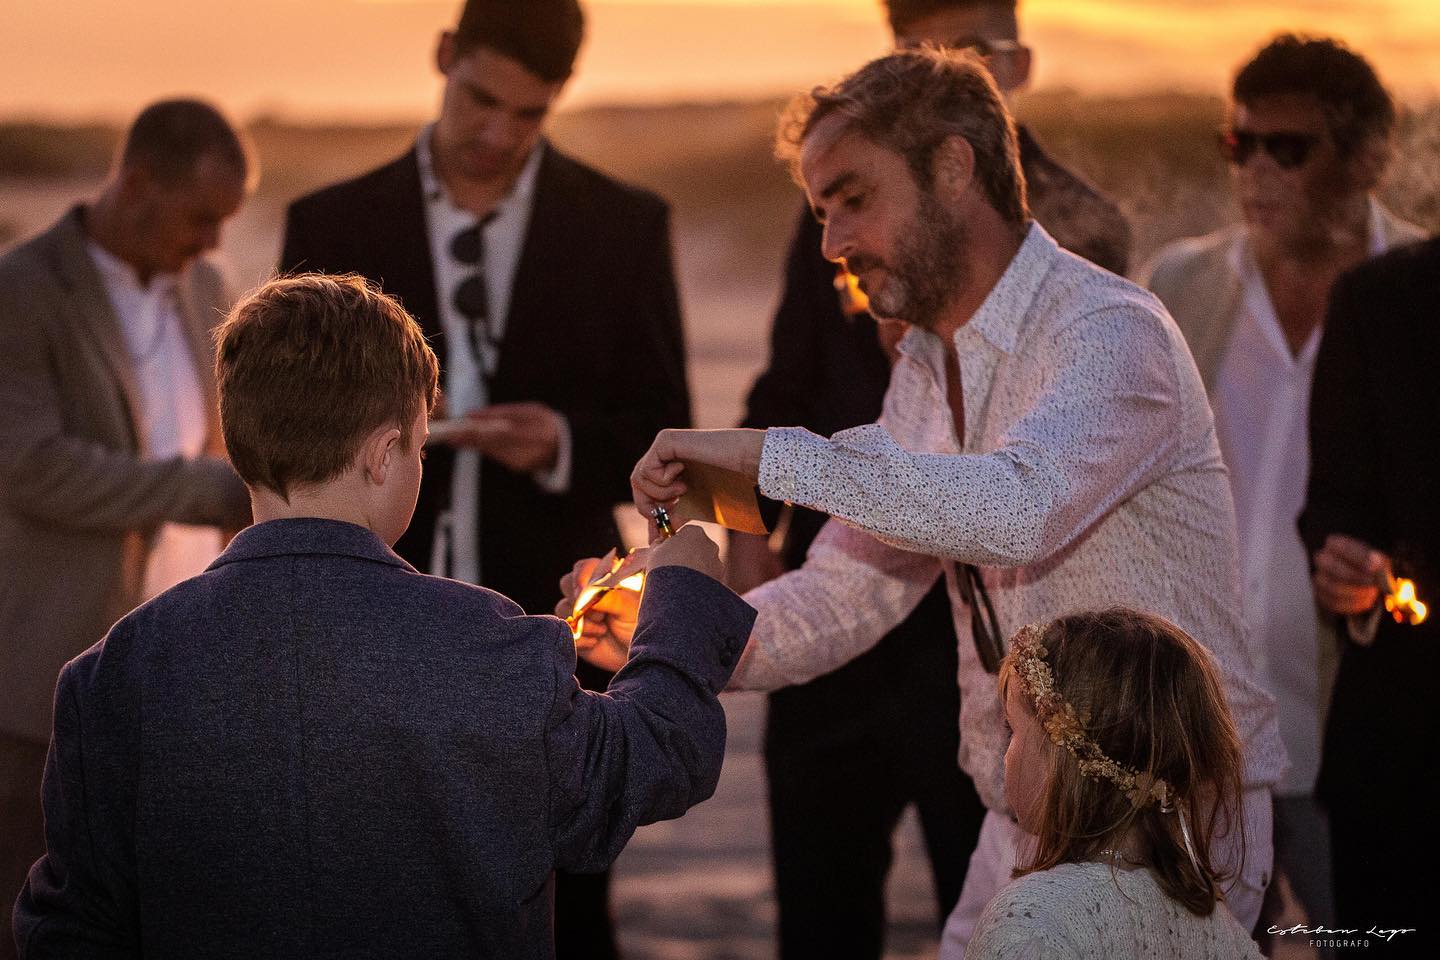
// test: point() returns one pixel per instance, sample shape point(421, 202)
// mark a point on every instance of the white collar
point(115, 270)
point(434, 189)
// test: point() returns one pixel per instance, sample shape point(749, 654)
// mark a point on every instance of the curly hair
point(1357, 107)
point(911, 102)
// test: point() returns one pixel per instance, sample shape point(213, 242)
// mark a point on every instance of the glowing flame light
point(596, 590)
point(1403, 604)
point(852, 299)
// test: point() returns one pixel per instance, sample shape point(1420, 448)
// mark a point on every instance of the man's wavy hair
point(1151, 700)
point(1358, 109)
point(306, 367)
point(911, 102)
point(901, 13)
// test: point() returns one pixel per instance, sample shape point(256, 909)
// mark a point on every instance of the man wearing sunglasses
point(828, 371)
point(528, 271)
point(1307, 141)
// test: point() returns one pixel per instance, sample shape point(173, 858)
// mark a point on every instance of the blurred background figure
point(1308, 138)
point(1371, 509)
point(829, 368)
point(112, 467)
point(530, 273)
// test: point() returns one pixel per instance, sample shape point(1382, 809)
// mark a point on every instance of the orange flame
point(853, 300)
point(1404, 604)
point(596, 589)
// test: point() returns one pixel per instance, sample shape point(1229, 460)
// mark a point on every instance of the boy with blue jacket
point(313, 750)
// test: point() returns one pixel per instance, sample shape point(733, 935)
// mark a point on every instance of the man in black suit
point(839, 735)
point(530, 273)
point(1371, 507)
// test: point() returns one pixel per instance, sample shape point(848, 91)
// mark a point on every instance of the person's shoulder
point(450, 611)
point(1399, 266)
point(1081, 292)
point(599, 189)
point(342, 198)
point(33, 257)
point(1188, 258)
point(1035, 915)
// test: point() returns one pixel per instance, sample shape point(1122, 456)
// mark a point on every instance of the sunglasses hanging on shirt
point(471, 298)
point(984, 625)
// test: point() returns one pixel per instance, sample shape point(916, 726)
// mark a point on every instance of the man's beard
point(927, 269)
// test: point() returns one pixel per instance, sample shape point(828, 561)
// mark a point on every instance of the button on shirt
point(1262, 403)
point(172, 404)
point(457, 540)
point(1090, 476)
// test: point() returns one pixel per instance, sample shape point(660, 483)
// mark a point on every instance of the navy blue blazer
point(312, 750)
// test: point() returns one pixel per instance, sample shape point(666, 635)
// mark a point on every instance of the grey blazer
point(311, 750)
point(79, 503)
point(1196, 281)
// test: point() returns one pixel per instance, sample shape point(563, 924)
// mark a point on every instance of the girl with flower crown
point(1124, 765)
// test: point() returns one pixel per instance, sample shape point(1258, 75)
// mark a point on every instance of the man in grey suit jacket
point(313, 750)
point(1309, 133)
point(108, 430)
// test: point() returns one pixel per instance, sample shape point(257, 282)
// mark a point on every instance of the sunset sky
point(361, 59)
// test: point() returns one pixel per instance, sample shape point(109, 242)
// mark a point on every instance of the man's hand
point(656, 481)
point(525, 437)
point(1347, 575)
point(751, 562)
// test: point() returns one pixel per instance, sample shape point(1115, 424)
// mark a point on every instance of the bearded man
point(1045, 444)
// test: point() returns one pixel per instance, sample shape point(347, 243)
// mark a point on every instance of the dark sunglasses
point(471, 298)
point(1288, 150)
point(984, 625)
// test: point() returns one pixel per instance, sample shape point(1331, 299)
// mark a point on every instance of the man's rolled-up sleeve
point(649, 747)
point(1104, 427)
point(850, 592)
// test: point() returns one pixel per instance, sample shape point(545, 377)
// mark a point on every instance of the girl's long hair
point(1148, 695)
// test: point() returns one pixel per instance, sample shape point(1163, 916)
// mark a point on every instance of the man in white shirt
point(547, 291)
point(1045, 443)
point(1307, 141)
point(113, 481)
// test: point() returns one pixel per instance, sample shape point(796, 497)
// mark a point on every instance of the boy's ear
point(378, 453)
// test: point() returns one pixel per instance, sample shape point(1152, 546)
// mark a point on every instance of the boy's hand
point(608, 626)
point(690, 547)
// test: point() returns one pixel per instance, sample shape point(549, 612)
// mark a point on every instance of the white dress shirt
point(1090, 476)
point(1261, 399)
point(456, 553)
point(172, 404)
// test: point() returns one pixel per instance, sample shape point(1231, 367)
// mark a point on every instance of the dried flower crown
point(1066, 727)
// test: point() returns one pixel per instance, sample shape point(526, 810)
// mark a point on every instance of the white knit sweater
point(1093, 910)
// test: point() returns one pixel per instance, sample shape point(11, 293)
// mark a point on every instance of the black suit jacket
point(594, 331)
point(1375, 476)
